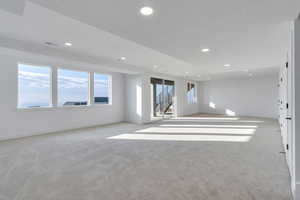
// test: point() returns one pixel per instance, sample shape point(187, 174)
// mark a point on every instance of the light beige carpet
point(192, 158)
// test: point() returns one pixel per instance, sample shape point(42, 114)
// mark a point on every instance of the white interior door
point(288, 117)
point(290, 112)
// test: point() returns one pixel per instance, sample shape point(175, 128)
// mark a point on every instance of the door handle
point(288, 118)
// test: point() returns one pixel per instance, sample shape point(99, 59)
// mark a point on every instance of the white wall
point(127, 102)
point(183, 107)
point(133, 109)
point(140, 112)
point(247, 96)
point(18, 123)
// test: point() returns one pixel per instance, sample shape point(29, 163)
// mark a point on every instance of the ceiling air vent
point(50, 44)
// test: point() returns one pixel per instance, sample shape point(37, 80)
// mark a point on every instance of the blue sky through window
point(101, 85)
point(73, 86)
point(34, 86)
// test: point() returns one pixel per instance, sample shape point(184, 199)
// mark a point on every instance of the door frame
point(152, 113)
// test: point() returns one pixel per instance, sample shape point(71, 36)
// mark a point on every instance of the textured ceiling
point(242, 32)
point(247, 34)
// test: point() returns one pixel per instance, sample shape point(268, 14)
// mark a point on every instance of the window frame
point(193, 99)
point(53, 101)
point(88, 89)
point(50, 85)
point(109, 89)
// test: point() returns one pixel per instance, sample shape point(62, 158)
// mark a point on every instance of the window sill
point(61, 107)
point(101, 104)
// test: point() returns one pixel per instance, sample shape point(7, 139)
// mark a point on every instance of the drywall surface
point(248, 96)
point(19, 123)
point(133, 108)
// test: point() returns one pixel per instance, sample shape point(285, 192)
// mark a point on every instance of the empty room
point(149, 100)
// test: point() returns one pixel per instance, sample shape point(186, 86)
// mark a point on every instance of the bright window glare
point(238, 131)
point(230, 112)
point(214, 120)
point(212, 105)
point(207, 118)
point(73, 87)
point(138, 100)
point(191, 93)
point(101, 88)
point(187, 138)
point(34, 86)
point(207, 125)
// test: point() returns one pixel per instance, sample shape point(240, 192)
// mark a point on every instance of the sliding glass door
point(162, 97)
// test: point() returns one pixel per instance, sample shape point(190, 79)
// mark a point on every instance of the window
point(102, 89)
point(73, 87)
point(40, 86)
point(34, 88)
point(191, 93)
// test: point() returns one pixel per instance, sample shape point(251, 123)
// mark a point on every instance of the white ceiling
point(248, 34)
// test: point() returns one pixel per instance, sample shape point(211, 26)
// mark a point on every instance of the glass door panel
point(162, 97)
point(159, 105)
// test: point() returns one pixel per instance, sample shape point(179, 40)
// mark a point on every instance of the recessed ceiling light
point(227, 65)
point(123, 58)
point(205, 50)
point(146, 10)
point(155, 66)
point(68, 44)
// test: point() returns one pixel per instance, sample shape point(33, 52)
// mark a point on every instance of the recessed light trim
point(227, 65)
point(205, 50)
point(123, 58)
point(146, 10)
point(155, 66)
point(68, 44)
